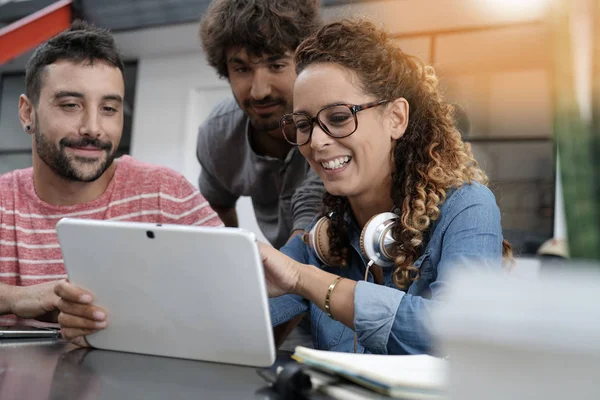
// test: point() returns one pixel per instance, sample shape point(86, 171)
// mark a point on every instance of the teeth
point(337, 163)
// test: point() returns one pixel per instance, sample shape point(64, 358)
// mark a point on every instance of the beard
point(73, 167)
point(265, 122)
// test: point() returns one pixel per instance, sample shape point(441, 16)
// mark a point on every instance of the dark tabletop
point(50, 369)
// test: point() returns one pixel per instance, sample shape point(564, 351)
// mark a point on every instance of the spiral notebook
point(412, 376)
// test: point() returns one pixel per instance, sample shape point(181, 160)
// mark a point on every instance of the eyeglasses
point(336, 120)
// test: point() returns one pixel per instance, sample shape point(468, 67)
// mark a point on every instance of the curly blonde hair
point(430, 158)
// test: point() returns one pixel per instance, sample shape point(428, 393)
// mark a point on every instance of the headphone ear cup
point(373, 238)
point(319, 241)
point(362, 237)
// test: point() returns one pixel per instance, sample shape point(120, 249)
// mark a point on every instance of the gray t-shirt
point(286, 194)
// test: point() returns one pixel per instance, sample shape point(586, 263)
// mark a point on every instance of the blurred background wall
point(492, 57)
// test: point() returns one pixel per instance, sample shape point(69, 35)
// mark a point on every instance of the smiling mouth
point(86, 150)
point(263, 107)
point(337, 163)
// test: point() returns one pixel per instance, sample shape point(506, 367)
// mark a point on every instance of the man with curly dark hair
point(240, 146)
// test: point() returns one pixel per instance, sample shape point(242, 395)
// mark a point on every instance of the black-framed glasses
point(336, 120)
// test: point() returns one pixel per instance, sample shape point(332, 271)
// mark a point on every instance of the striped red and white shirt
point(29, 248)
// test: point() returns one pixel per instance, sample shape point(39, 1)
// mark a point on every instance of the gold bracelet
point(328, 297)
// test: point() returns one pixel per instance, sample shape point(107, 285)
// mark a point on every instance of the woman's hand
point(281, 272)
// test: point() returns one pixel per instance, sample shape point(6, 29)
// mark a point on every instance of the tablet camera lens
point(150, 234)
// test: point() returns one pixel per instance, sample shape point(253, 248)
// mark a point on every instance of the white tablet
point(172, 290)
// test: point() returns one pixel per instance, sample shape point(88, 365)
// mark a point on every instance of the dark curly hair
point(270, 27)
point(430, 159)
point(81, 43)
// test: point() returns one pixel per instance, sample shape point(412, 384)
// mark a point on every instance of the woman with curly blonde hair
point(372, 122)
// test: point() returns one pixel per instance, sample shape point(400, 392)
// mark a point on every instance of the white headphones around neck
point(376, 241)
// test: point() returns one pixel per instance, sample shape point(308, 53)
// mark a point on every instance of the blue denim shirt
point(388, 320)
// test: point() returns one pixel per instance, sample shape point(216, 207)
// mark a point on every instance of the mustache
point(85, 142)
point(269, 100)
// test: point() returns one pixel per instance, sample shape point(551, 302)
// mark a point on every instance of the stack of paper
point(415, 377)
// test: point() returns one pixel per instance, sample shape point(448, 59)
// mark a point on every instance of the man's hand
point(78, 316)
point(228, 215)
point(33, 301)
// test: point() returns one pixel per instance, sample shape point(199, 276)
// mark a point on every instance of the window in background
point(521, 176)
point(15, 144)
point(499, 77)
point(511, 138)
